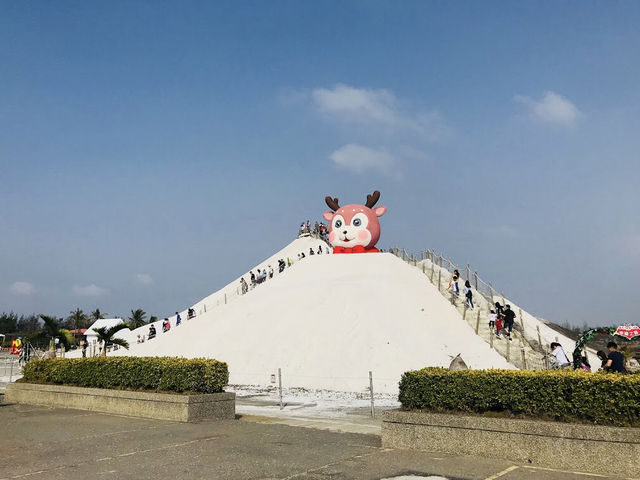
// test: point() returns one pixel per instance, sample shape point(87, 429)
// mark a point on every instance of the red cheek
point(332, 237)
point(363, 235)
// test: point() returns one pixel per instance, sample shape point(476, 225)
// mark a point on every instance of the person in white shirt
point(559, 359)
point(492, 318)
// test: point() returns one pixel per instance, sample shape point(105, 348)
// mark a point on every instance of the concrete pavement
point(39, 442)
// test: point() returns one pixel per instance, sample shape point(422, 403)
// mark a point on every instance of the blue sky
point(152, 151)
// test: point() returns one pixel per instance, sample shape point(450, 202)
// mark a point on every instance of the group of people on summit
point(319, 229)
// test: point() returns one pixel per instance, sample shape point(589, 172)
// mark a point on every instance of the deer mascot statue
point(354, 228)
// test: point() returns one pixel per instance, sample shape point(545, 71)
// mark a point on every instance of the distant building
point(90, 333)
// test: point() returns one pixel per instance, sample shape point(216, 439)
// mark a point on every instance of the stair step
point(533, 358)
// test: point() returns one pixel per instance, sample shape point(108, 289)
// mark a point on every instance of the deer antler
point(372, 199)
point(332, 203)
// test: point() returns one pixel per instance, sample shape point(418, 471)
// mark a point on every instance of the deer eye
point(360, 220)
point(338, 223)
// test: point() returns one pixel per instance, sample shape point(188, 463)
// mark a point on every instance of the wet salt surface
point(305, 402)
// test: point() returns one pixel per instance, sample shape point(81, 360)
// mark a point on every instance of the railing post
point(491, 334)
point(468, 273)
point(521, 320)
point(373, 414)
point(280, 387)
point(539, 337)
point(464, 311)
point(491, 292)
point(475, 280)
point(508, 351)
point(524, 357)
point(439, 275)
point(478, 322)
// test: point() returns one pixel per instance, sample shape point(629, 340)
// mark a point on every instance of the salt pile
point(326, 322)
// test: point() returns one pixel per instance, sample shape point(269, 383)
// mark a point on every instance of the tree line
point(25, 325)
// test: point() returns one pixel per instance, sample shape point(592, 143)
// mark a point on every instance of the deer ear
point(380, 211)
point(328, 216)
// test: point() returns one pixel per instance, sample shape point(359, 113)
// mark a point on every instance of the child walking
point(498, 325)
point(492, 319)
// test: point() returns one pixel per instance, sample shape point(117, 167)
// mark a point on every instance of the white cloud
point(21, 288)
point(358, 159)
point(376, 108)
point(551, 108)
point(144, 279)
point(91, 290)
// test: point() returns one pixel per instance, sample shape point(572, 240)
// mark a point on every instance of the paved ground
point(43, 443)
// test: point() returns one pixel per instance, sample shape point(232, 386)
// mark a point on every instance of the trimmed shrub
point(199, 375)
point(601, 398)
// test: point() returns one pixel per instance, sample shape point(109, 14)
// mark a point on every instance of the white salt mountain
point(326, 322)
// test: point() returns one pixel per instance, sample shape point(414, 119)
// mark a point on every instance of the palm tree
point(97, 314)
point(137, 319)
point(52, 330)
point(105, 335)
point(77, 319)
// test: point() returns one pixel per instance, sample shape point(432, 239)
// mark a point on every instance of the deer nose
point(344, 231)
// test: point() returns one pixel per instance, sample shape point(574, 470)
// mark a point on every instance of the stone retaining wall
point(613, 451)
point(165, 406)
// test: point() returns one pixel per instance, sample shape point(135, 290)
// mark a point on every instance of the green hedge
point(131, 373)
point(601, 398)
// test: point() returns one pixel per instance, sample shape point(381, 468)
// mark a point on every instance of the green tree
point(105, 335)
point(77, 319)
point(97, 315)
point(52, 330)
point(137, 319)
point(8, 323)
point(29, 324)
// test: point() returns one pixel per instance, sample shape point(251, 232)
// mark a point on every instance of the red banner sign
point(628, 331)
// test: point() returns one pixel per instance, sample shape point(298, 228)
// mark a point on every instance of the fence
point(483, 288)
point(226, 295)
point(10, 368)
point(294, 391)
point(229, 294)
point(529, 354)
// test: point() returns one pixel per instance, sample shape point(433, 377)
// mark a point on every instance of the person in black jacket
point(615, 359)
point(509, 318)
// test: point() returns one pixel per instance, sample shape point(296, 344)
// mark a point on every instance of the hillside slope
point(326, 322)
